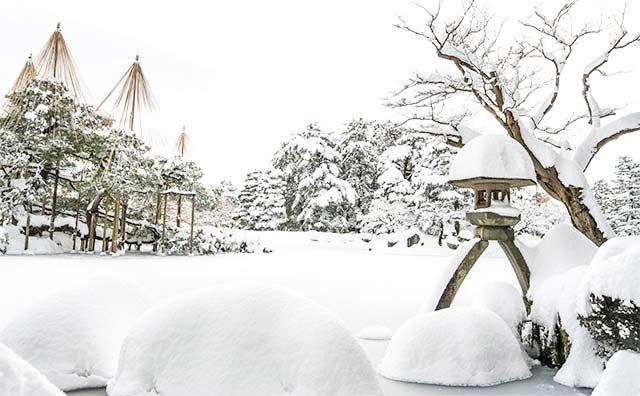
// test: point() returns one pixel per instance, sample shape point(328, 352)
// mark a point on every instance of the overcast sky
point(243, 75)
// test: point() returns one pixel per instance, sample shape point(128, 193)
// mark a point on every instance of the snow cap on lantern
point(491, 165)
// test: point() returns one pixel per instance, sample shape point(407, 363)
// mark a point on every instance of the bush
point(614, 325)
point(4, 241)
point(207, 242)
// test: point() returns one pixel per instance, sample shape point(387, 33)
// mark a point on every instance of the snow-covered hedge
point(210, 241)
point(455, 346)
point(19, 378)
point(242, 339)
point(610, 297)
point(621, 376)
point(74, 336)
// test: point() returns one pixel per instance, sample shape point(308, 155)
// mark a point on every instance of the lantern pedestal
point(491, 226)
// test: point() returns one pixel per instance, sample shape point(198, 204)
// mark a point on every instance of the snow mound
point(375, 332)
point(19, 378)
point(621, 377)
point(583, 368)
point(455, 346)
point(74, 336)
point(492, 156)
point(561, 249)
point(242, 339)
point(504, 300)
point(614, 272)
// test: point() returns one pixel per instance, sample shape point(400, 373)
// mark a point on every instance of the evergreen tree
point(246, 214)
point(360, 162)
point(270, 203)
point(625, 218)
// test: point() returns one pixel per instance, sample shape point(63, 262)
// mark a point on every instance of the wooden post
point(193, 215)
point(76, 229)
point(105, 224)
point(54, 200)
point(92, 232)
point(123, 223)
point(179, 210)
point(27, 231)
point(114, 229)
point(164, 222)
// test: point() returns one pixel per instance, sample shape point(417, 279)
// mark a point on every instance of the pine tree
point(270, 203)
point(360, 164)
point(625, 219)
point(327, 202)
point(246, 214)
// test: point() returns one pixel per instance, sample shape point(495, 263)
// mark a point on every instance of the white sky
point(243, 75)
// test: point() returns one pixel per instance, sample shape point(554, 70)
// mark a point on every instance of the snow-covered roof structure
point(491, 158)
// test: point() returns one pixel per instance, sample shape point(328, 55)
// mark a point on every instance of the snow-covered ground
point(384, 286)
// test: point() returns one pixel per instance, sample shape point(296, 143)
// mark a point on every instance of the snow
point(502, 210)
point(614, 272)
point(492, 156)
point(241, 339)
point(504, 300)
point(73, 336)
point(582, 368)
point(621, 377)
point(339, 271)
point(456, 347)
point(375, 332)
point(561, 249)
point(19, 378)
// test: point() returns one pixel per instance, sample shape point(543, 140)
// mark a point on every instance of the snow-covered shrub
point(209, 241)
point(610, 296)
point(73, 336)
point(19, 378)
point(621, 376)
point(455, 346)
point(242, 339)
point(4, 241)
point(553, 291)
point(504, 300)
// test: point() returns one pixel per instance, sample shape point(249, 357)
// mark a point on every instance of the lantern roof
point(492, 159)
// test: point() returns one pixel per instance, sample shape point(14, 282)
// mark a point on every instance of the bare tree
point(507, 82)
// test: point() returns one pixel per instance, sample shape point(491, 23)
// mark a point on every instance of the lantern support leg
point(518, 263)
point(449, 293)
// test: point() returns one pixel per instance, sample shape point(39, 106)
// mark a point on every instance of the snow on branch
point(599, 136)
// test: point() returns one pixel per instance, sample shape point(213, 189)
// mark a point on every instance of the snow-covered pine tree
point(625, 219)
point(246, 214)
point(327, 202)
point(360, 162)
point(314, 190)
point(603, 193)
point(270, 203)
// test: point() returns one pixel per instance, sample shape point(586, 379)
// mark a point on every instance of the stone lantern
point(490, 165)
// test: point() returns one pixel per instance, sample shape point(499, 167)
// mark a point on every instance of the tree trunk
point(179, 211)
point(572, 197)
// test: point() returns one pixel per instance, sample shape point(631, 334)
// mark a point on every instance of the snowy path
point(386, 286)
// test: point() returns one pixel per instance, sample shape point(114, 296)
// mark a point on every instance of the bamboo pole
point(27, 231)
point(114, 229)
point(105, 224)
point(164, 222)
point(193, 216)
